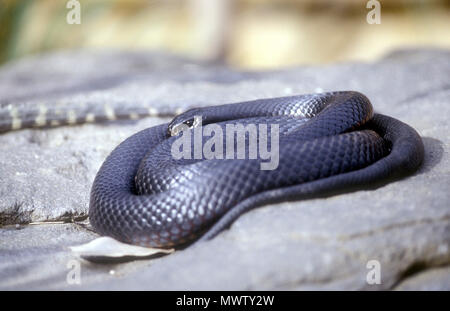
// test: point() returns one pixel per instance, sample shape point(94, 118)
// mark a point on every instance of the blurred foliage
point(244, 33)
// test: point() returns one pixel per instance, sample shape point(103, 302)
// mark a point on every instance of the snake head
point(186, 120)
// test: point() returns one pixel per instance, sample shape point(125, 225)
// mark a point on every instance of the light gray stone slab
point(431, 279)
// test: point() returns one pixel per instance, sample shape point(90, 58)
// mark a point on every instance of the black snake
point(330, 141)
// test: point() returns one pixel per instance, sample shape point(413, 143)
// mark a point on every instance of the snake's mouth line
point(252, 141)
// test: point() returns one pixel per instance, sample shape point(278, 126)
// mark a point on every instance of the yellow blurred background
point(249, 34)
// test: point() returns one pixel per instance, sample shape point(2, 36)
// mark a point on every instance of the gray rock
point(431, 279)
point(47, 174)
point(323, 243)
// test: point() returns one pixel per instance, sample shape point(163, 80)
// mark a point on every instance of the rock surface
point(324, 243)
point(432, 279)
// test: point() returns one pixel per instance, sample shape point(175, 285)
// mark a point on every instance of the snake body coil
point(330, 141)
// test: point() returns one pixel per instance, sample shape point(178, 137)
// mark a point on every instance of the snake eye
point(177, 128)
point(189, 122)
point(192, 122)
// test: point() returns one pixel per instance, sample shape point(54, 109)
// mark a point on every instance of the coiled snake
point(330, 141)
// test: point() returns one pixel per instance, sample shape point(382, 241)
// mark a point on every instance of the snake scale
point(329, 141)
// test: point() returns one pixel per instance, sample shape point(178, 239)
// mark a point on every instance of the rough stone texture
point(324, 243)
point(432, 279)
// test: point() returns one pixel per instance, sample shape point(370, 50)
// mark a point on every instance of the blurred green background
point(255, 34)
